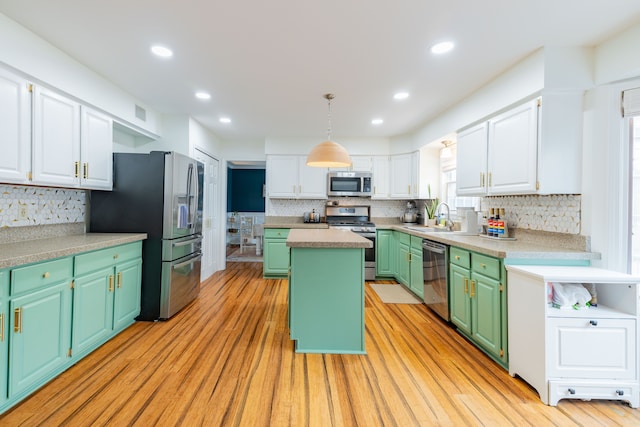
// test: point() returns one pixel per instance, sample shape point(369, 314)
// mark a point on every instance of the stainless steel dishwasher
point(435, 263)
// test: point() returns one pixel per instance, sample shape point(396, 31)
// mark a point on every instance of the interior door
point(211, 235)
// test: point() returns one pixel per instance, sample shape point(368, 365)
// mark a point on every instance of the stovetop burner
point(354, 218)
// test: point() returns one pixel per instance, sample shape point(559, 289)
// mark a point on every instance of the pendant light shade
point(329, 154)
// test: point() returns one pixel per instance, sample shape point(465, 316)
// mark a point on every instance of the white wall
point(43, 63)
point(617, 58)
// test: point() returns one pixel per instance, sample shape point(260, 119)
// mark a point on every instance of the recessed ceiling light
point(225, 120)
point(203, 95)
point(401, 95)
point(442, 47)
point(161, 51)
point(377, 122)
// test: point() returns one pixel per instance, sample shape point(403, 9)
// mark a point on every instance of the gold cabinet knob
point(458, 257)
point(46, 275)
point(115, 256)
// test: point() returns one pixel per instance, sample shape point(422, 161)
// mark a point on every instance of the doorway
point(245, 210)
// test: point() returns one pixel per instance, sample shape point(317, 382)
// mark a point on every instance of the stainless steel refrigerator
point(160, 194)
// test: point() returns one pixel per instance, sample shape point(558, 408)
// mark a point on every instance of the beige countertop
point(326, 238)
point(521, 248)
point(29, 251)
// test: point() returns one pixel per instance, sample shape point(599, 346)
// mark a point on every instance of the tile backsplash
point(556, 213)
point(45, 206)
point(28, 206)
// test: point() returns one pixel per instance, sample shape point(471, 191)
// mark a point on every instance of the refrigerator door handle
point(187, 242)
point(191, 209)
point(191, 260)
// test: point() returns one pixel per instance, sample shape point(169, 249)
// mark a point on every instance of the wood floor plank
point(227, 360)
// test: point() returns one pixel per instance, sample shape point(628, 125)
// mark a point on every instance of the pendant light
point(328, 154)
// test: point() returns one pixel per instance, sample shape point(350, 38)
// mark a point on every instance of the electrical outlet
point(22, 212)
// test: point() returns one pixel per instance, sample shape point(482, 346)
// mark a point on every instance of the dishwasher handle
point(430, 246)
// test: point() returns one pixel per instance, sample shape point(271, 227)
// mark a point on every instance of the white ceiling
point(267, 64)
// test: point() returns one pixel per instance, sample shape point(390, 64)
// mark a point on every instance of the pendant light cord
point(329, 97)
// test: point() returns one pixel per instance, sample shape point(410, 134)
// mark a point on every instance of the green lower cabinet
point(385, 255)
point(326, 300)
point(40, 336)
point(92, 310)
point(416, 271)
point(478, 300)
point(4, 338)
point(49, 318)
point(275, 253)
point(460, 303)
point(409, 269)
point(126, 296)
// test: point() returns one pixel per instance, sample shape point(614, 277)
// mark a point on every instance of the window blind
point(631, 102)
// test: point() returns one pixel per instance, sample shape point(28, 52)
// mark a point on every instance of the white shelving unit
point(586, 354)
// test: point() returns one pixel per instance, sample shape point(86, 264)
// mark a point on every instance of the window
point(448, 181)
point(635, 194)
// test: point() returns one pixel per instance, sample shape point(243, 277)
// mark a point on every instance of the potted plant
point(430, 207)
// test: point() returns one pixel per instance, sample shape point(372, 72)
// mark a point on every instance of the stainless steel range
point(358, 220)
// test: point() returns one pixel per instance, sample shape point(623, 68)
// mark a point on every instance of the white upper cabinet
point(404, 176)
point(289, 177)
point(70, 149)
point(380, 177)
point(15, 128)
point(512, 150)
point(56, 139)
point(533, 148)
point(96, 150)
point(471, 164)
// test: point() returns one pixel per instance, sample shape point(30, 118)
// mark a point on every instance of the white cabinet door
point(96, 150)
point(380, 177)
point(282, 176)
point(404, 180)
point(56, 139)
point(312, 181)
point(471, 164)
point(361, 163)
point(15, 128)
point(512, 150)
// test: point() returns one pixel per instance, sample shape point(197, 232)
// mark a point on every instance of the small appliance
point(410, 215)
point(351, 184)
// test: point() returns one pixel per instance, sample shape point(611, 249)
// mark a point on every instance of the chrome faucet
point(448, 223)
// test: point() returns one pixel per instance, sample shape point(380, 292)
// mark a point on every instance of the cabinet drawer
point(91, 261)
point(404, 238)
point(486, 265)
point(587, 390)
point(459, 257)
point(25, 279)
point(276, 233)
point(592, 348)
point(416, 242)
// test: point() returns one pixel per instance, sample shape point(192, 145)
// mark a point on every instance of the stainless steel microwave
point(353, 184)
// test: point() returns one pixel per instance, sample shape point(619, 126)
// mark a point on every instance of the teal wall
point(244, 190)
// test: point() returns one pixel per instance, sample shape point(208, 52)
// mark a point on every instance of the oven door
point(369, 257)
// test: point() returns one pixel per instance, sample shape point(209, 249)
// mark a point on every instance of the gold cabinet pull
point(466, 285)
point(111, 283)
point(17, 320)
point(85, 170)
point(481, 179)
point(457, 257)
point(119, 281)
point(483, 265)
point(490, 184)
point(77, 169)
point(473, 289)
point(46, 275)
point(1, 327)
point(115, 256)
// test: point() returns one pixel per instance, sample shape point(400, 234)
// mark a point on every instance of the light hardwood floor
point(226, 360)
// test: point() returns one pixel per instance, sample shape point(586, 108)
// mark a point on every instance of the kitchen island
point(326, 290)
